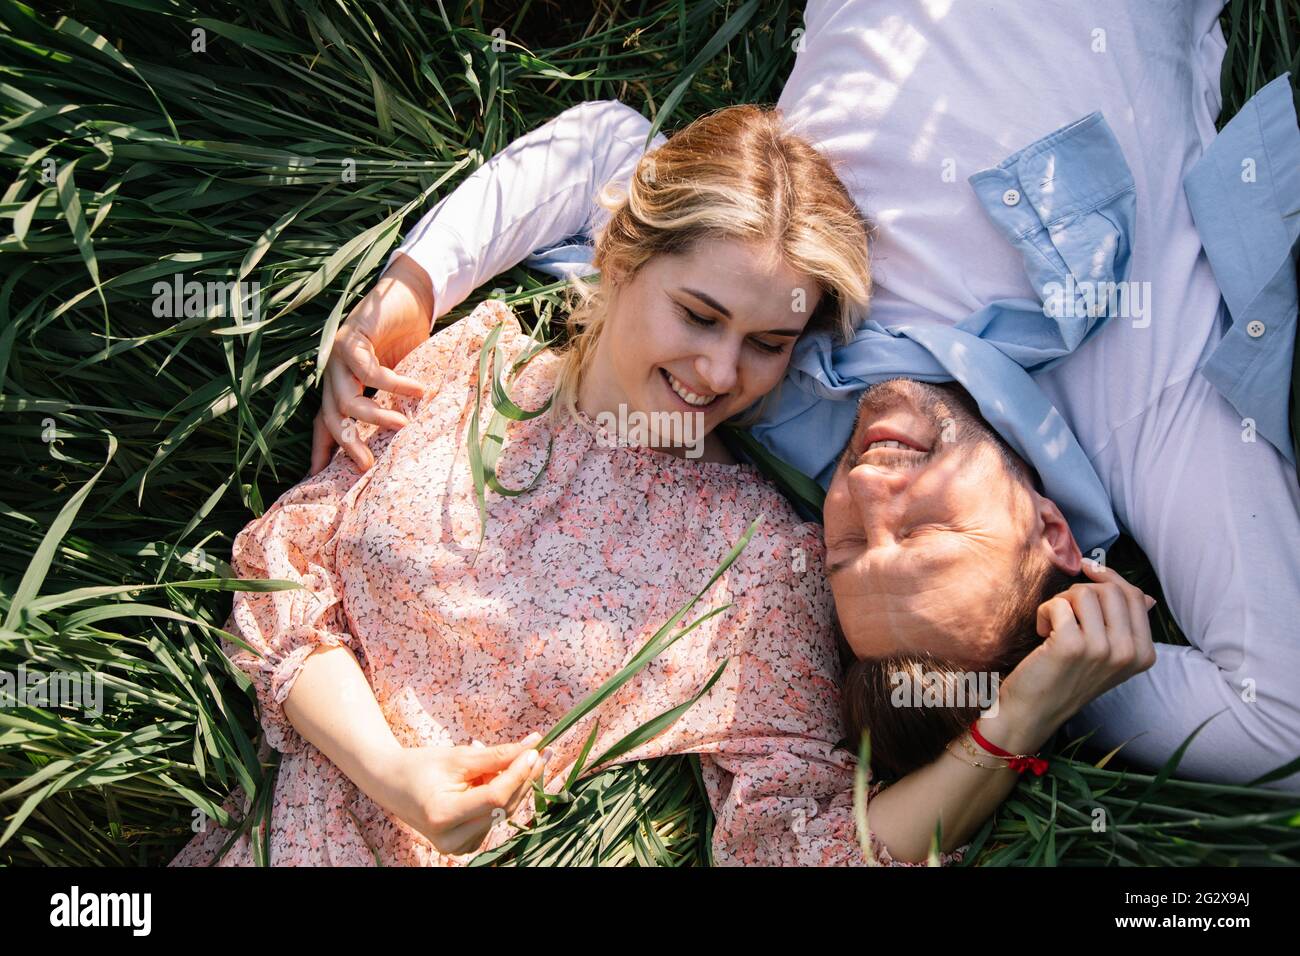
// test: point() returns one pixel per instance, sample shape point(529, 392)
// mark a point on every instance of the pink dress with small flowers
point(462, 642)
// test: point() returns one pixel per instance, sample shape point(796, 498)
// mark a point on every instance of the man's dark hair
point(904, 739)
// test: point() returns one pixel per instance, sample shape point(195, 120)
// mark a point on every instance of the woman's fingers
point(1136, 610)
point(526, 787)
point(481, 801)
point(1092, 621)
point(498, 791)
point(1056, 619)
point(465, 838)
point(1119, 621)
point(468, 836)
point(477, 761)
point(1144, 651)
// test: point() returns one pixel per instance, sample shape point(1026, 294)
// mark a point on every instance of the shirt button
point(1011, 197)
point(1255, 329)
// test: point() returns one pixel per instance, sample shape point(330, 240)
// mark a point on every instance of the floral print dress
point(463, 642)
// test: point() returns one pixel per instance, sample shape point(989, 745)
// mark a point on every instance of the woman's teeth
point(686, 395)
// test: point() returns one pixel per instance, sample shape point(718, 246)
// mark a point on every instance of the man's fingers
point(345, 436)
point(322, 444)
point(364, 365)
point(348, 388)
point(375, 374)
point(367, 410)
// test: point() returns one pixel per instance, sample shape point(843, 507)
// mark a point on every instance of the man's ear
point(1056, 537)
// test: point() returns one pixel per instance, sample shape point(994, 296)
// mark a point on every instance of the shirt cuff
point(439, 251)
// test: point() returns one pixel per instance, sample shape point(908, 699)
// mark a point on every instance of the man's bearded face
point(928, 523)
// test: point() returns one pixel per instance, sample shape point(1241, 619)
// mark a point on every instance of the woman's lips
point(663, 372)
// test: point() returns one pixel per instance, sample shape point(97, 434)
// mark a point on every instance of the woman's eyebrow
point(708, 300)
point(717, 306)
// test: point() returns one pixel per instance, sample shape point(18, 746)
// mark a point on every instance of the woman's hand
point(1096, 636)
point(455, 795)
point(393, 318)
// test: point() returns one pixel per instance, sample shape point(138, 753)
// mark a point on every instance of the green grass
point(227, 163)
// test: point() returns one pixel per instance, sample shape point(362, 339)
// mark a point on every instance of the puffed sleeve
point(296, 539)
point(781, 790)
point(292, 541)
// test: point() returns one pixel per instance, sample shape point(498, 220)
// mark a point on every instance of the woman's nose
point(719, 369)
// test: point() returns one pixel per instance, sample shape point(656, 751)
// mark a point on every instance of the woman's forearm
point(903, 816)
point(333, 707)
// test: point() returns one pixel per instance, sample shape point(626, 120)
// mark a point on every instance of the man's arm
point(539, 190)
point(1217, 511)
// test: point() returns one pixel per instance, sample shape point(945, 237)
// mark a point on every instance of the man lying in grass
point(429, 618)
point(1176, 407)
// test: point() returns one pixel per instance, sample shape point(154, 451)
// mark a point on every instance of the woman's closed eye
point(696, 319)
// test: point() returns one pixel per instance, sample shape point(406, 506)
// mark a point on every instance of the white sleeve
point(540, 189)
point(1217, 510)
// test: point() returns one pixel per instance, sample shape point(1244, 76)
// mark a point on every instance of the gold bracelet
point(975, 763)
point(974, 749)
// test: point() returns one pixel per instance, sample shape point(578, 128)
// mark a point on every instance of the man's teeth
point(689, 397)
point(889, 443)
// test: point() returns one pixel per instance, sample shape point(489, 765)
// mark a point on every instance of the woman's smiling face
point(709, 330)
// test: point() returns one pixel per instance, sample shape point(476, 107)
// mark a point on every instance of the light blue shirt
point(1067, 203)
point(1245, 198)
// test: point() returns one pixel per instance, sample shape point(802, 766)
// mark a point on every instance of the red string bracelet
point(1017, 762)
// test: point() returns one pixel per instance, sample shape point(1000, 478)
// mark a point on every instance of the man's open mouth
point(895, 440)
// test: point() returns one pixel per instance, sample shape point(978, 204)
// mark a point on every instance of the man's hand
point(393, 318)
point(1096, 636)
point(455, 795)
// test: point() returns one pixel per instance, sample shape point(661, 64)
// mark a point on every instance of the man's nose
point(719, 368)
point(878, 500)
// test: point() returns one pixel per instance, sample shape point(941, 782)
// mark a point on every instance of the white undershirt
point(910, 98)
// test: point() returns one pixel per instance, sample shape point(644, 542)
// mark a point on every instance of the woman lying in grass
point(419, 631)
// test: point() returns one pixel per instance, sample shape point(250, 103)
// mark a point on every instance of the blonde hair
point(738, 174)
